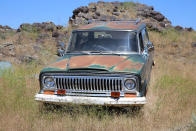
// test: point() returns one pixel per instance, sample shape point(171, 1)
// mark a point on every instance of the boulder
point(26, 58)
point(55, 34)
point(122, 10)
point(97, 13)
point(38, 26)
point(189, 29)
point(193, 44)
point(145, 8)
point(93, 9)
point(59, 27)
point(178, 28)
point(159, 17)
point(49, 26)
point(7, 49)
point(84, 15)
point(162, 24)
point(94, 16)
point(83, 9)
point(115, 9)
point(116, 13)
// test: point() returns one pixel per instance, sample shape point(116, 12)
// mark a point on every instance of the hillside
point(33, 42)
point(172, 91)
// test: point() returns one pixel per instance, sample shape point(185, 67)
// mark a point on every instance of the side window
point(145, 36)
point(141, 42)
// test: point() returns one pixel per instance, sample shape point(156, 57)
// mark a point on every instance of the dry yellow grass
point(171, 98)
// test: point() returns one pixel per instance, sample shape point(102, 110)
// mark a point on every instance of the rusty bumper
point(56, 99)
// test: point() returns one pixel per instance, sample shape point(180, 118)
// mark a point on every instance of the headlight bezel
point(135, 80)
point(44, 85)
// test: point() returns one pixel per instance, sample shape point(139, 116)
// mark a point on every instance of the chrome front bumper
point(123, 101)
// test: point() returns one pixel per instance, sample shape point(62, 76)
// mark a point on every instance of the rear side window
point(133, 42)
point(141, 42)
point(145, 36)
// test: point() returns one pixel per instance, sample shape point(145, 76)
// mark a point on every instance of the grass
point(171, 102)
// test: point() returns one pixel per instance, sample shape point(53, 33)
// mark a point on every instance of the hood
point(112, 63)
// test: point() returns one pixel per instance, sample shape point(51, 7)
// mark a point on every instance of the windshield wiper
point(77, 52)
point(96, 52)
point(104, 52)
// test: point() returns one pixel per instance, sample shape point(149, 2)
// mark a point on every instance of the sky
point(15, 12)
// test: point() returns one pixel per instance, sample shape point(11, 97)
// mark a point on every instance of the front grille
point(89, 84)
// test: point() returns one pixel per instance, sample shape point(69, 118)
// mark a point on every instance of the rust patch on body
point(130, 65)
point(85, 61)
point(112, 25)
point(89, 26)
point(124, 25)
point(60, 64)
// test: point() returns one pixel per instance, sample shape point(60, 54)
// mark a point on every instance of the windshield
point(103, 41)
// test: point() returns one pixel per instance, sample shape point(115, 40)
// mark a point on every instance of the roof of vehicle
point(113, 25)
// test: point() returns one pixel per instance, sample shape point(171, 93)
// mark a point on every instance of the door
point(148, 49)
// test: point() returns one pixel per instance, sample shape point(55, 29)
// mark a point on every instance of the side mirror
point(150, 47)
point(60, 52)
point(61, 49)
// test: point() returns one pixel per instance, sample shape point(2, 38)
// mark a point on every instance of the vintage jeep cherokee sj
point(106, 63)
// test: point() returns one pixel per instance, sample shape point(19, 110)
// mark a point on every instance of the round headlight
point(49, 82)
point(130, 84)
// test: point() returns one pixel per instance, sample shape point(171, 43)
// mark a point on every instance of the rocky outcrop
point(5, 28)
point(38, 27)
point(121, 11)
point(28, 43)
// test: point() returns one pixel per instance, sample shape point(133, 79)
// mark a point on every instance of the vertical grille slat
point(59, 83)
point(109, 85)
point(91, 85)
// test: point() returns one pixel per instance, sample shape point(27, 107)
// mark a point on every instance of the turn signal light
point(49, 92)
point(61, 92)
point(115, 94)
point(130, 95)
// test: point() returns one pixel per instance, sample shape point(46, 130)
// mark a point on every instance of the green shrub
point(128, 5)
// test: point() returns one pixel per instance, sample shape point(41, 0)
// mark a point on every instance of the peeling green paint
point(135, 64)
point(97, 66)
